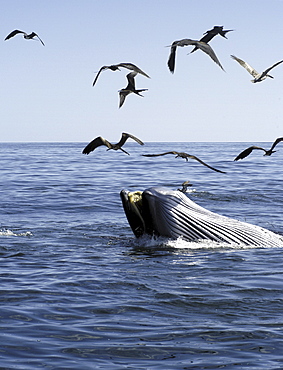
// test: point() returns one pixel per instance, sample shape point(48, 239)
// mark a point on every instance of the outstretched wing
point(126, 136)
point(270, 68)
point(132, 67)
point(98, 141)
point(276, 142)
point(249, 68)
point(98, 73)
point(33, 34)
point(205, 164)
point(247, 152)
point(172, 57)
point(131, 81)
point(14, 33)
point(157, 155)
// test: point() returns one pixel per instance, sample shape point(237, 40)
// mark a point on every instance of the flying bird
point(185, 156)
point(130, 88)
point(185, 42)
point(258, 77)
point(25, 35)
point(98, 141)
point(208, 35)
point(116, 67)
point(268, 152)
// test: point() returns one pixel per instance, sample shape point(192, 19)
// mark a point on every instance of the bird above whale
point(116, 67)
point(98, 141)
point(258, 77)
point(268, 152)
point(185, 156)
point(130, 88)
point(25, 35)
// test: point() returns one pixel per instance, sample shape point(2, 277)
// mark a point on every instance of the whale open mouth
point(158, 211)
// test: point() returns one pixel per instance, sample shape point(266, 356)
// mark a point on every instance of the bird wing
point(126, 136)
point(33, 34)
point(247, 152)
point(14, 33)
point(172, 57)
point(156, 155)
point(133, 67)
point(276, 142)
point(209, 51)
point(205, 164)
point(270, 68)
point(98, 73)
point(122, 95)
point(249, 68)
point(98, 141)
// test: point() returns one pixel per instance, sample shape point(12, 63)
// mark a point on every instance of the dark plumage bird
point(268, 152)
point(185, 186)
point(208, 35)
point(116, 67)
point(258, 77)
point(185, 42)
point(25, 35)
point(130, 88)
point(183, 155)
point(98, 141)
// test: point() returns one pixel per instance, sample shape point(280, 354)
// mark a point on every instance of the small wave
point(7, 232)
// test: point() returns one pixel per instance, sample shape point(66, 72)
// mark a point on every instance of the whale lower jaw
point(161, 212)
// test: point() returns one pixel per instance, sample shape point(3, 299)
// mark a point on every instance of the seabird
point(25, 35)
point(185, 156)
point(130, 88)
point(268, 152)
point(185, 186)
point(116, 67)
point(185, 42)
point(98, 141)
point(258, 77)
point(208, 35)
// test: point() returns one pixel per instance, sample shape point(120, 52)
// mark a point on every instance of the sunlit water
point(78, 291)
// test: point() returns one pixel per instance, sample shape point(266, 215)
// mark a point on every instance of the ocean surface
point(79, 291)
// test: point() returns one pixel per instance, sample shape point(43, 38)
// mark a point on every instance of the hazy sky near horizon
point(47, 93)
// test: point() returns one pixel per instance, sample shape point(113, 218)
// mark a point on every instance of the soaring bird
point(185, 156)
point(185, 42)
point(258, 77)
point(268, 152)
point(208, 35)
point(98, 141)
point(116, 67)
point(130, 88)
point(25, 35)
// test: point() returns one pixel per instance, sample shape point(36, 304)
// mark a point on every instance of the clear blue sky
point(47, 93)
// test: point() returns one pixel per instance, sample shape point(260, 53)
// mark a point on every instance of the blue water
point(78, 291)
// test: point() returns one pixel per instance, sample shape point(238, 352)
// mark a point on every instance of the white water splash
point(7, 232)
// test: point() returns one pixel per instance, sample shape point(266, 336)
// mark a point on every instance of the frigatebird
point(98, 141)
point(185, 156)
point(130, 88)
point(25, 35)
point(268, 152)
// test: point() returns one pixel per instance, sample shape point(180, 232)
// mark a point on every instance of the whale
point(158, 211)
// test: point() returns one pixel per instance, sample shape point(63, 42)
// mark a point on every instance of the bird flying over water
point(185, 156)
point(116, 67)
point(258, 77)
point(25, 35)
point(130, 88)
point(268, 152)
point(98, 141)
point(208, 35)
point(185, 42)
